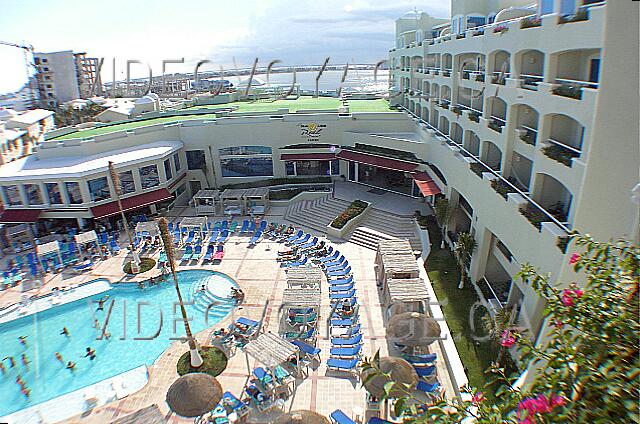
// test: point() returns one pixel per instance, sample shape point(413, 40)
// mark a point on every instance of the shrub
point(530, 22)
point(566, 90)
point(480, 77)
point(474, 116)
point(535, 216)
point(285, 194)
point(215, 361)
point(500, 29)
point(456, 110)
point(424, 220)
point(495, 126)
point(145, 265)
point(502, 188)
point(478, 168)
point(581, 15)
point(529, 137)
point(354, 209)
point(559, 154)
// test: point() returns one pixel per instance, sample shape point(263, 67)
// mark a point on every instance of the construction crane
point(27, 49)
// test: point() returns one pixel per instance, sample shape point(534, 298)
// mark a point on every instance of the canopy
point(131, 203)
point(307, 156)
point(148, 228)
point(271, 350)
point(194, 394)
point(378, 161)
point(301, 298)
point(195, 222)
point(396, 256)
point(207, 194)
point(86, 237)
point(413, 329)
point(19, 216)
point(303, 276)
point(407, 290)
point(48, 248)
point(232, 194)
point(256, 193)
point(425, 183)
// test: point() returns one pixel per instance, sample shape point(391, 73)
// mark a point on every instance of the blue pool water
point(138, 335)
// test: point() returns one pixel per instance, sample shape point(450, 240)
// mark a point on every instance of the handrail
point(499, 119)
point(566, 146)
point(588, 84)
point(552, 218)
point(528, 128)
point(495, 296)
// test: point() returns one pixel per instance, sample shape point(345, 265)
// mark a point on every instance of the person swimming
point(65, 332)
point(23, 340)
point(3, 370)
point(12, 361)
point(25, 360)
point(101, 302)
point(71, 365)
point(59, 357)
point(26, 391)
point(96, 323)
point(91, 353)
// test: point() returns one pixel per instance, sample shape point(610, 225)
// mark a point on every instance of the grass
point(145, 265)
point(215, 361)
point(305, 102)
point(444, 274)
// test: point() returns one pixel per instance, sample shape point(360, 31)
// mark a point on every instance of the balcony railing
point(530, 82)
point(497, 174)
point(499, 77)
point(531, 135)
point(561, 152)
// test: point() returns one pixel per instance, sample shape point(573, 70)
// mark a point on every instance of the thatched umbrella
point(193, 395)
point(302, 416)
point(398, 370)
point(413, 329)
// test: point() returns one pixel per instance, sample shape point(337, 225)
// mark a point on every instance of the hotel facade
point(521, 115)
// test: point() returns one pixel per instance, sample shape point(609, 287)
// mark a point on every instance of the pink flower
point(574, 258)
point(557, 400)
point(541, 404)
point(507, 339)
point(569, 296)
point(477, 398)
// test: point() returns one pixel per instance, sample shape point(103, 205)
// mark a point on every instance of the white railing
point(565, 146)
point(499, 119)
point(529, 128)
point(525, 195)
point(493, 293)
point(568, 81)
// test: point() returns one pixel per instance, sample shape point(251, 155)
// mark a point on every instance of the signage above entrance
point(311, 131)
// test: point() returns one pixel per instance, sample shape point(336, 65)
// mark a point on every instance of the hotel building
point(520, 114)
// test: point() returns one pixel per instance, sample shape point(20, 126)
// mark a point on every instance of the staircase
point(382, 225)
point(315, 214)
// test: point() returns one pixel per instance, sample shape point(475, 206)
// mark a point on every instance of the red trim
point(393, 164)
point(131, 203)
point(307, 156)
point(19, 216)
point(425, 183)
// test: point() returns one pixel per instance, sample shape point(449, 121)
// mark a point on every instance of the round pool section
point(142, 323)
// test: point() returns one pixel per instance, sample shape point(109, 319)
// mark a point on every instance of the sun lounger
point(303, 319)
point(339, 417)
point(113, 245)
point(335, 262)
point(209, 253)
point(187, 254)
point(334, 256)
point(307, 335)
point(245, 226)
point(190, 237)
point(343, 272)
point(351, 351)
point(341, 281)
point(427, 358)
point(336, 289)
point(256, 238)
point(425, 371)
point(336, 364)
point(425, 387)
point(83, 267)
point(252, 226)
point(309, 244)
point(197, 252)
point(351, 341)
point(307, 349)
point(344, 322)
point(233, 227)
point(248, 322)
point(302, 240)
point(223, 236)
point(263, 377)
point(301, 262)
point(261, 400)
point(214, 236)
point(219, 253)
point(294, 237)
point(337, 267)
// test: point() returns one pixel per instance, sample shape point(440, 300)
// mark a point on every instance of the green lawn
point(444, 274)
point(307, 102)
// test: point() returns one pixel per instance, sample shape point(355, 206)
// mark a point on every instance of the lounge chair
point(238, 406)
point(307, 335)
point(219, 253)
point(336, 364)
point(352, 351)
point(187, 254)
point(425, 371)
point(113, 245)
point(310, 244)
point(342, 272)
point(209, 253)
point(82, 267)
point(341, 281)
point(342, 295)
point(307, 349)
point(252, 226)
point(301, 262)
point(265, 379)
point(429, 388)
point(283, 376)
point(261, 400)
point(223, 236)
point(336, 289)
point(338, 267)
point(225, 225)
point(248, 322)
point(256, 238)
point(427, 358)
point(294, 237)
point(303, 319)
point(245, 226)
point(333, 257)
point(344, 322)
point(351, 341)
point(190, 237)
point(339, 417)
point(302, 240)
point(214, 236)
point(233, 227)
point(197, 253)
point(335, 262)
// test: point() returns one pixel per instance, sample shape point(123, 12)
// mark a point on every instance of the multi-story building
point(64, 76)
point(21, 132)
point(532, 125)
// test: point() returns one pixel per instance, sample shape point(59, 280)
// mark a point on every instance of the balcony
point(560, 152)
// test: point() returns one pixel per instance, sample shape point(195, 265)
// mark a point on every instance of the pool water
point(142, 324)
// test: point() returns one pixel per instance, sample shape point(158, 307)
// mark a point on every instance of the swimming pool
point(142, 324)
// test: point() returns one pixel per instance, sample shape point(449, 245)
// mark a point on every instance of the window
point(181, 189)
point(127, 185)
point(290, 168)
point(53, 193)
point(176, 161)
point(505, 251)
point(546, 7)
point(474, 21)
point(312, 167)
point(247, 167)
point(12, 193)
point(99, 189)
point(167, 169)
point(73, 192)
point(195, 159)
point(34, 196)
point(149, 176)
point(335, 167)
point(245, 151)
point(567, 7)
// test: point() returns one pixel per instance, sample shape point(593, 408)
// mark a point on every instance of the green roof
point(328, 103)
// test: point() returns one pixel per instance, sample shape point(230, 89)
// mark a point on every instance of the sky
point(297, 32)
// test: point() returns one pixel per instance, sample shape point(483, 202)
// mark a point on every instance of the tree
point(443, 210)
point(465, 247)
point(163, 225)
point(115, 180)
point(586, 370)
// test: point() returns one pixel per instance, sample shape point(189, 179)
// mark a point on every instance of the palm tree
point(116, 185)
point(443, 210)
point(163, 225)
point(465, 246)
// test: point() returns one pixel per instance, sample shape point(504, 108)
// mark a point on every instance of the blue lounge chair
point(197, 252)
point(425, 371)
point(342, 295)
point(238, 406)
point(190, 237)
point(425, 387)
point(163, 258)
point(333, 257)
point(336, 364)
point(256, 237)
point(225, 225)
point(341, 281)
point(427, 358)
point(307, 349)
point(309, 244)
point(252, 226)
point(344, 322)
point(336, 289)
point(83, 267)
point(346, 351)
point(262, 376)
point(339, 417)
point(209, 254)
point(301, 262)
point(337, 267)
point(214, 236)
point(294, 237)
point(302, 240)
point(335, 262)
point(187, 254)
point(223, 236)
point(248, 322)
point(113, 245)
point(342, 272)
point(263, 225)
point(351, 341)
point(170, 226)
point(245, 226)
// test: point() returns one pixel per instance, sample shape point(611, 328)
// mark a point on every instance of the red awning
point(307, 156)
point(19, 216)
point(426, 184)
point(394, 164)
point(131, 203)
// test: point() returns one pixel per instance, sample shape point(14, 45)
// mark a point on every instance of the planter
point(351, 222)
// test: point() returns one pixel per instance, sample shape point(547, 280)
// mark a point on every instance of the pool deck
point(260, 277)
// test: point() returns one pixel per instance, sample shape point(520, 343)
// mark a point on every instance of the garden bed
point(353, 210)
point(146, 264)
point(215, 361)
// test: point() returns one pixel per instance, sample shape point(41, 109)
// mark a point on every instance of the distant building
point(65, 76)
point(20, 132)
